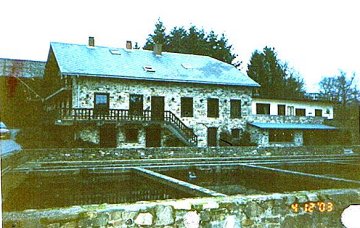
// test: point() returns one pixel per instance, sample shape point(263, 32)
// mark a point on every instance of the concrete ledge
point(178, 184)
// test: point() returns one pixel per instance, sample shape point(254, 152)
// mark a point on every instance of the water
point(245, 180)
point(38, 192)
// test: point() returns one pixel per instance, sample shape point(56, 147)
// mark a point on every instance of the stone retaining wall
point(315, 209)
point(179, 152)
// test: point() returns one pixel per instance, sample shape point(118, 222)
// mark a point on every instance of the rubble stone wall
point(119, 93)
point(298, 209)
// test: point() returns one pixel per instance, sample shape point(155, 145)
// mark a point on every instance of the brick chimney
point(128, 44)
point(91, 41)
point(157, 49)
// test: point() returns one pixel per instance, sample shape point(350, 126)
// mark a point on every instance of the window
point(235, 108)
point(300, 112)
point(101, 103)
point(131, 135)
point(213, 107)
point(290, 110)
point(186, 107)
point(149, 69)
point(262, 108)
point(281, 110)
point(281, 136)
point(135, 104)
point(318, 112)
point(235, 133)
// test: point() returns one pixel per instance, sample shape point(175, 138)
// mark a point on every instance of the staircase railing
point(127, 115)
point(174, 120)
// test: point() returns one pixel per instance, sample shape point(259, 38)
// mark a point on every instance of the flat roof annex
point(98, 61)
point(292, 126)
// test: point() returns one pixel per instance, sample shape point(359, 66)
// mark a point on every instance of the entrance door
point(157, 108)
point(211, 136)
point(153, 136)
point(108, 136)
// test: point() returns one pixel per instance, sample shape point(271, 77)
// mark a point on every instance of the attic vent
point(149, 69)
point(186, 65)
point(115, 51)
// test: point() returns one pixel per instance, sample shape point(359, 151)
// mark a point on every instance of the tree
point(277, 79)
point(192, 41)
point(339, 88)
point(158, 37)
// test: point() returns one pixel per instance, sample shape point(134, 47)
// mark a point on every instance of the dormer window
point(186, 65)
point(149, 69)
point(115, 51)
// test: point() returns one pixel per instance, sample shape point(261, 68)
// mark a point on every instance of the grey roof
point(74, 59)
point(8, 146)
point(2, 125)
point(21, 68)
point(292, 126)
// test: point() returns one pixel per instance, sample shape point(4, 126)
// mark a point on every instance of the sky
point(315, 37)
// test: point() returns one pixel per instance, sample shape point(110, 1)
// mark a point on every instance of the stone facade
point(298, 209)
point(119, 92)
point(261, 136)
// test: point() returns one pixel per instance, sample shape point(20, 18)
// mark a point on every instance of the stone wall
point(298, 209)
point(261, 138)
point(119, 92)
point(175, 152)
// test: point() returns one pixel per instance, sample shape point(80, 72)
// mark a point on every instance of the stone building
point(281, 122)
point(20, 83)
point(122, 97)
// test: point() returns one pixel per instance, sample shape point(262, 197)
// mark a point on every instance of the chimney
point(91, 41)
point(128, 44)
point(157, 49)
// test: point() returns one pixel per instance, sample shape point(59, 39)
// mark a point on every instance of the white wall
point(309, 106)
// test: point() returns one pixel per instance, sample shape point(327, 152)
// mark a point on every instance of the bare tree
point(340, 88)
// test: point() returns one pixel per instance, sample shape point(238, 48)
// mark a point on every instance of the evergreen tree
point(192, 41)
point(158, 37)
point(277, 80)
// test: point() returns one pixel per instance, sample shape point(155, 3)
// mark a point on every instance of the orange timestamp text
point(311, 207)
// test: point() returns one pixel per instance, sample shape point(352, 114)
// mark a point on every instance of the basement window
point(131, 135)
point(235, 133)
point(149, 69)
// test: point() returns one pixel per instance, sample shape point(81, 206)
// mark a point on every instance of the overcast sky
point(316, 37)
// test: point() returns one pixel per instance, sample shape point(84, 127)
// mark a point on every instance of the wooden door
point(108, 136)
point(157, 108)
point(212, 136)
